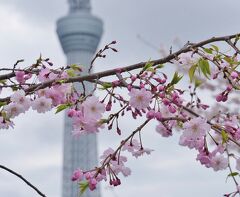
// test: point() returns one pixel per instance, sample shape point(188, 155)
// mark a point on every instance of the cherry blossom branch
point(100, 54)
point(150, 93)
point(112, 156)
point(186, 48)
point(23, 179)
point(123, 142)
point(213, 126)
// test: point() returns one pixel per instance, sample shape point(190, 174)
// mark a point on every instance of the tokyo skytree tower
point(79, 33)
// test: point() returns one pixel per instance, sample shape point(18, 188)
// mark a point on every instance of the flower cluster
point(153, 96)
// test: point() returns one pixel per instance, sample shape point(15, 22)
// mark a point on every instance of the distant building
point(79, 33)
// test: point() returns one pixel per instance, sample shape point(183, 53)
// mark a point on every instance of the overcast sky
point(34, 147)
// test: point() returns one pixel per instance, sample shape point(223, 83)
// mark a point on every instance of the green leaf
point(197, 83)
point(208, 50)
point(4, 115)
point(3, 81)
point(191, 72)
point(224, 136)
point(3, 103)
point(215, 48)
point(103, 121)
point(232, 175)
point(229, 60)
point(150, 69)
point(71, 73)
point(76, 67)
point(61, 81)
point(62, 107)
point(159, 66)
point(147, 65)
point(14, 88)
point(106, 85)
point(83, 186)
point(176, 78)
point(205, 67)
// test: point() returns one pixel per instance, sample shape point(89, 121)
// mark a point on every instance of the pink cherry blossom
point(42, 104)
point(20, 98)
point(140, 99)
point(131, 146)
point(163, 131)
point(84, 125)
point(188, 59)
point(204, 158)
point(5, 124)
point(13, 109)
point(120, 168)
point(43, 74)
point(92, 183)
point(142, 151)
point(20, 76)
point(195, 128)
point(56, 96)
point(77, 175)
point(190, 142)
point(46, 74)
point(150, 114)
point(93, 108)
point(234, 75)
point(219, 162)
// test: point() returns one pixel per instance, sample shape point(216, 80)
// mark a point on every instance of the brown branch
point(135, 66)
point(110, 72)
point(23, 179)
point(233, 46)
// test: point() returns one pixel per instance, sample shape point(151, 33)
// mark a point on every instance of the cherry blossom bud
point(133, 78)
point(110, 126)
point(203, 106)
point(224, 98)
point(116, 83)
point(151, 114)
point(109, 106)
point(163, 81)
point(158, 116)
point(116, 182)
point(20, 76)
point(165, 101)
point(161, 88)
point(92, 184)
point(129, 87)
point(77, 175)
point(71, 113)
point(141, 85)
point(162, 95)
point(234, 74)
point(88, 175)
point(128, 108)
point(28, 76)
point(229, 88)
point(219, 98)
point(172, 109)
point(153, 89)
point(215, 75)
point(119, 131)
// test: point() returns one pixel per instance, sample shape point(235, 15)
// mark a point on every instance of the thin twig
point(25, 180)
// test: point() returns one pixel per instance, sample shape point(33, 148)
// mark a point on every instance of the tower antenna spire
point(79, 5)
